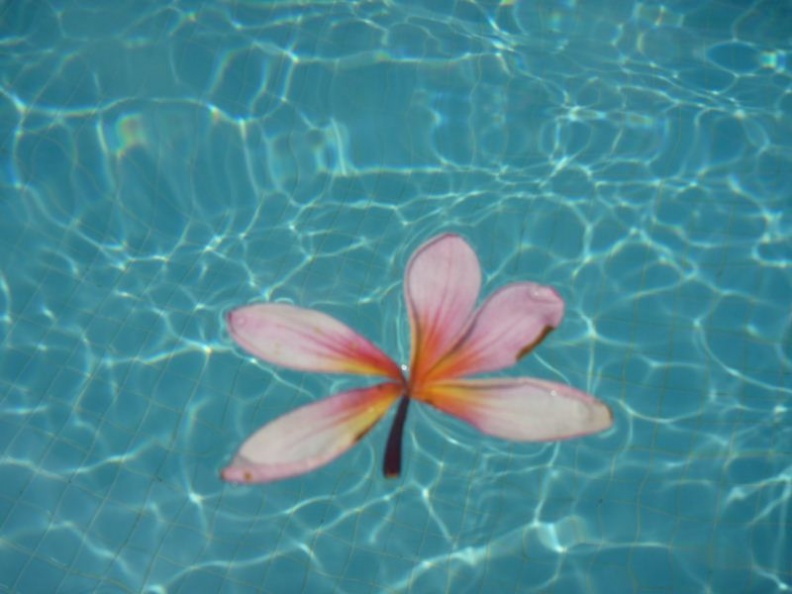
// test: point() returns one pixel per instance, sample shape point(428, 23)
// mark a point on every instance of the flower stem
point(391, 467)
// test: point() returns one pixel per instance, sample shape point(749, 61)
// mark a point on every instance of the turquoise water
point(165, 162)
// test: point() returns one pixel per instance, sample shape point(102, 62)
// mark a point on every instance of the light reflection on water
point(161, 167)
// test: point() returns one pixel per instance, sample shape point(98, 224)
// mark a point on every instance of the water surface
point(164, 163)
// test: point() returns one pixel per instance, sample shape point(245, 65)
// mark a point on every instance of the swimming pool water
point(165, 162)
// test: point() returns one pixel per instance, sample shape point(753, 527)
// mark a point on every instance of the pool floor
point(165, 163)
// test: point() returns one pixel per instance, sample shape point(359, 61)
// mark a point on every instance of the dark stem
point(391, 466)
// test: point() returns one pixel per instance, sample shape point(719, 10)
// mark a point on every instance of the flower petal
point(310, 436)
point(306, 339)
point(441, 287)
point(522, 409)
point(509, 325)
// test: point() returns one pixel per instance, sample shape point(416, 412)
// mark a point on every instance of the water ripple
point(159, 166)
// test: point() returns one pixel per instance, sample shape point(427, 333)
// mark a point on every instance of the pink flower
point(450, 341)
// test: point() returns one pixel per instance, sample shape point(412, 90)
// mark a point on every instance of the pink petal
point(509, 325)
point(310, 436)
point(522, 409)
point(306, 339)
point(441, 287)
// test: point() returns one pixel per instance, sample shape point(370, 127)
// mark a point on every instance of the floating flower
point(450, 341)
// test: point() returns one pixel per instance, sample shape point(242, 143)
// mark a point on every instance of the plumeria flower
point(450, 341)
